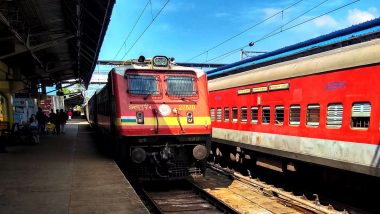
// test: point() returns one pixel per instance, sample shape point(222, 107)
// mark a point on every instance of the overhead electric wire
point(273, 34)
point(280, 28)
point(159, 12)
point(247, 29)
point(130, 32)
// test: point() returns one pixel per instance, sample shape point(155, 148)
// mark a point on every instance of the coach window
point(212, 114)
point(312, 115)
point(334, 116)
point(279, 115)
point(234, 114)
point(295, 115)
point(226, 114)
point(265, 115)
point(361, 115)
point(243, 115)
point(218, 114)
point(254, 114)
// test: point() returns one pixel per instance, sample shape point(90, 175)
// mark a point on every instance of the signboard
point(279, 86)
point(259, 89)
point(244, 91)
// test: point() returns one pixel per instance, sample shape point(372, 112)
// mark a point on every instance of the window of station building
point(361, 115)
point(279, 115)
point(218, 114)
point(234, 114)
point(226, 114)
point(212, 114)
point(312, 115)
point(295, 115)
point(243, 115)
point(265, 115)
point(334, 115)
point(254, 114)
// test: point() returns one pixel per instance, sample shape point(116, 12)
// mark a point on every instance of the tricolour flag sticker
point(128, 119)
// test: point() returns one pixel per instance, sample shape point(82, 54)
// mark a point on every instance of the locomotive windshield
point(142, 85)
point(180, 86)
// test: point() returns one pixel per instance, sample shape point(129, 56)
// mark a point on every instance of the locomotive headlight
point(200, 152)
point(190, 117)
point(140, 117)
point(138, 155)
point(160, 61)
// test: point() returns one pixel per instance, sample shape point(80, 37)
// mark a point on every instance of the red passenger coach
point(157, 113)
point(319, 107)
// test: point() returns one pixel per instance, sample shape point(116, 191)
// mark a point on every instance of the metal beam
point(38, 47)
point(196, 65)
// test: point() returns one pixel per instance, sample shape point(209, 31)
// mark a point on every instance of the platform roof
point(49, 41)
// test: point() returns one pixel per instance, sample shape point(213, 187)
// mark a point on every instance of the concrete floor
point(64, 174)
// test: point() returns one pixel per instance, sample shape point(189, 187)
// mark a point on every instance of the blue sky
point(185, 29)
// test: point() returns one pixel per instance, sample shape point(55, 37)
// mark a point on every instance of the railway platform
point(64, 174)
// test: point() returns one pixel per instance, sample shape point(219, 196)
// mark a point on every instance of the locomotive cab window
point(361, 115)
point(234, 114)
point(212, 114)
point(254, 115)
point(334, 116)
point(218, 114)
point(279, 115)
point(312, 115)
point(243, 115)
point(181, 86)
point(143, 85)
point(295, 115)
point(265, 115)
point(226, 114)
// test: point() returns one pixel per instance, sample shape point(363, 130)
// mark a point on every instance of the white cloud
point(221, 15)
point(326, 21)
point(268, 12)
point(357, 16)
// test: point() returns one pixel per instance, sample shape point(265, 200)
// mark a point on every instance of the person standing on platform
point(70, 114)
point(58, 123)
point(53, 119)
point(33, 129)
point(63, 119)
point(41, 119)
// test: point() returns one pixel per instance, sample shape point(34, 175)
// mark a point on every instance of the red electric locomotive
point(320, 106)
point(157, 114)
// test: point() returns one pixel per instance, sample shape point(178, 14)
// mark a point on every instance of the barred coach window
point(142, 85)
point(312, 116)
point(279, 115)
point(361, 115)
point(218, 114)
point(243, 115)
point(265, 115)
point(234, 114)
point(180, 86)
point(212, 114)
point(295, 115)
point(334, 115)
point(226, 114)
point(254, 114)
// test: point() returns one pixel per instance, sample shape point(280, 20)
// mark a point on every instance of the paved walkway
point(64, 174)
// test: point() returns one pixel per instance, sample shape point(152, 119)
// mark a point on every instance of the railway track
point(254, 196)
point(182, 198)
